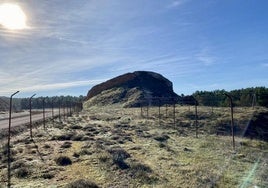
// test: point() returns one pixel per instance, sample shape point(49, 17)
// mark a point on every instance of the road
point(23, 118)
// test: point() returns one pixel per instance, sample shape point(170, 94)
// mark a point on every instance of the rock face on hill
point(132, 90)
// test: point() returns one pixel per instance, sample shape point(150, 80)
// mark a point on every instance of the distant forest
point(37, 103)
point(241, 97)
point(257, 96)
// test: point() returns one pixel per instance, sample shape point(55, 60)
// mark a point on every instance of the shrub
point(46, 146)
point(77, 137)
point(18, 164)
point(47, 176)
point(22, 172)
point(81, 183)
point(63, 161)
point(161, 138)
point(103, 158)
point(140, 168)
point(118, 156)
point(76, 155)
point(143, 173)
point(85, 152)
point(63, 137)
point(66, 145)
point(76, 127)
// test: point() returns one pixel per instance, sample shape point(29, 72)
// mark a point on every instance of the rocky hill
point(132, 90)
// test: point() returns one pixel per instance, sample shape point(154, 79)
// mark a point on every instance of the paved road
point(23, 118)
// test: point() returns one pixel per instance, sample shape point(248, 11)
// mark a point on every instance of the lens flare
point(12, 17)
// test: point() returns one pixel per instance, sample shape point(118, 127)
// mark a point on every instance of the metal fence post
point(64, 110)
point(196, 117)
point(141, 109)
point(8, 142)
point(44, 117)
point(174, 112)
point(166, 110)
point(59, 111)
point(159, 108)
point(31, 132)
point(147, 111)
point(52, 112)
point(232, 118)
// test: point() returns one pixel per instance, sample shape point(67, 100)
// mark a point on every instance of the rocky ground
point(116, 147)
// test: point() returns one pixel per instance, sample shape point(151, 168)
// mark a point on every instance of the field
point(133, 147)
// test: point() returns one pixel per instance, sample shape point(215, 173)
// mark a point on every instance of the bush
point(18, 164)
point(63, 137)
point(85, 152)
point(47, 176)
point(76, 127)
point(63, 161)
point(118, 156)
point(162, 138)
point(66, 145)
point(103, 158)
point(22, 172)
point(78, 137)
point(81, 183)
point(143, 173)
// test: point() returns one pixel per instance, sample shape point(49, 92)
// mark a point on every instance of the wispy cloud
point(47, 87)
point(205, 57)
point(176, 3)
point(264, 65)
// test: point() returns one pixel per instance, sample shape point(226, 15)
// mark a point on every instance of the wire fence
point(165, 112)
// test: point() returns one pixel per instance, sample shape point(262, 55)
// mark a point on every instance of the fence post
point(196, 117)
point(64, 104)
point(59, 111)
point(8, 143)
point(31, 132)
point(174, 112)
point(254, 101)
point(44, 117)
point(71, 108)
point(141, 109)
point(232, 118)
point(52, 112)
point(159, 106)
point(166, 110)
point(147, 110)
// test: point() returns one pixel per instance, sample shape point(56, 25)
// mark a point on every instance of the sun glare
point(12, 17)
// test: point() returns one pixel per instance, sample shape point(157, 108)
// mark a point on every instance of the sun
point(12, 17)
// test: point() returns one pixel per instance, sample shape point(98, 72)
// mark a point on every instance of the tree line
point(56, 101)
point(241, 97)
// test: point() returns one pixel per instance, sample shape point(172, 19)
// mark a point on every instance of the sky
point(69, 46)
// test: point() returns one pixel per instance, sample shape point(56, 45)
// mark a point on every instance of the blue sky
point(71, 45)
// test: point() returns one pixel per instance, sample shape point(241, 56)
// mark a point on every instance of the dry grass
point(115, 147)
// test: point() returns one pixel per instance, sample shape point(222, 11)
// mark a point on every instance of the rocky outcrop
point(132, 89)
